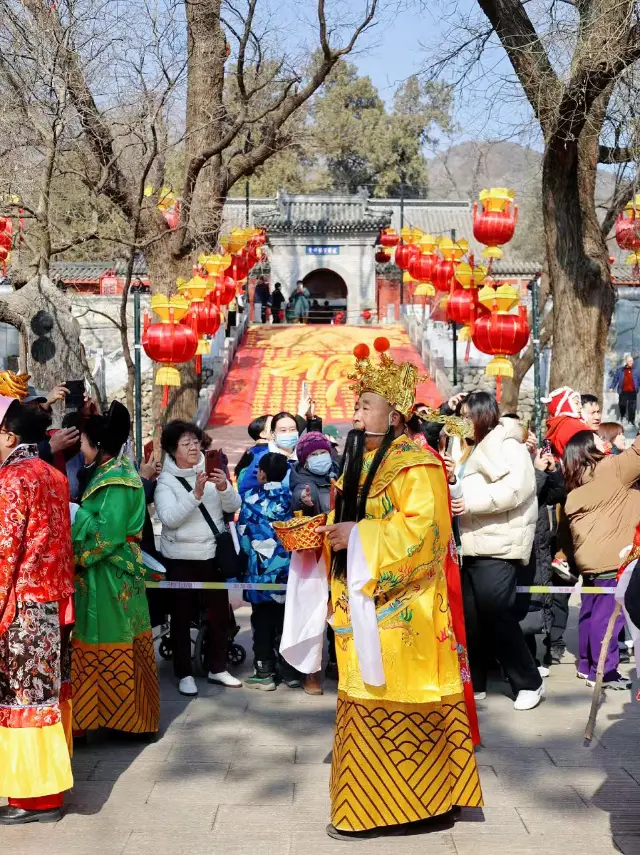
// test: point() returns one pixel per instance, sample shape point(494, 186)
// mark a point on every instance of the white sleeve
point(229, 499)
point(507, 492)
point(173, 510)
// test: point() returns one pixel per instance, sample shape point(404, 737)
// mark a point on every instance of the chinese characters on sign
point(323, 250)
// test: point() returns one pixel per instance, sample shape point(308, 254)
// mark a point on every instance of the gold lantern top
point(214, 263)
point(496, 198)
point(452, 250)
point(410, 235)
point(427, 244)
point(424, 289)
point(470, 276)
point(633, 206)
point(163, 306)
point(195, 289)
point(504, 298)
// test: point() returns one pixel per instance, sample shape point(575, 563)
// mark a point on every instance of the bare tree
point(571, 59)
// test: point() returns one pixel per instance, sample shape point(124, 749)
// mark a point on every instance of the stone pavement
point(239, 771)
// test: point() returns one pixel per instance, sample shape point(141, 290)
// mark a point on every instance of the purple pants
point(595, 611)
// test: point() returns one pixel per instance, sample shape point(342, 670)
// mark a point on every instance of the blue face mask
point(287, 440)
point(319, 464)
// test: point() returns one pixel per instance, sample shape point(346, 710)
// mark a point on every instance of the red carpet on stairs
point(267, 374)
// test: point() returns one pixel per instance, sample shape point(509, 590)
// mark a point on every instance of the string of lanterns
point(628, 233)
point(190, 319)
point(432, 265)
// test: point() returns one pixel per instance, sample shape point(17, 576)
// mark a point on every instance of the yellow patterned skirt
point(116, 686)
point(397, 763)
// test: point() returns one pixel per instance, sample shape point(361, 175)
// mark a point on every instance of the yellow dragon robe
point(402, 751)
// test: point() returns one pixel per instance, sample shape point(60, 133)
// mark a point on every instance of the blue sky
point(486, 108)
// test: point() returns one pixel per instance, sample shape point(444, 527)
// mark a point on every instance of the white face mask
point(287, 440)
point(319, 464)
point(374, 433)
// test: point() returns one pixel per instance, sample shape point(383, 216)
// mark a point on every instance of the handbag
point(231, 564)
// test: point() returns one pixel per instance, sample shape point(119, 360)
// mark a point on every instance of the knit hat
point(561, 402)
point(310, 442)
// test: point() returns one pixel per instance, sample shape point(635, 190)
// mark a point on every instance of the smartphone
point(305, 390)
point(75, 398)
point(212, 460)
point(449, 447)
point(546, 447)
point(148, 451)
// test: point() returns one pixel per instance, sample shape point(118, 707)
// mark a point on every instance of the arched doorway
point(328, 292)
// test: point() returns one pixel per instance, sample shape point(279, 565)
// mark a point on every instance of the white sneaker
point(480, 696)
point(187, 687)
point(224, 678)
point(582, 676)
point(543, 671)
point(528, 699)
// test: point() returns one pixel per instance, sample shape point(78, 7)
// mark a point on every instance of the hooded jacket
point(560, 429)
point(185, 532)
point(499, 489)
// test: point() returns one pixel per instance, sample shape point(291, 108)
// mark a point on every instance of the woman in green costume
point(115, 680)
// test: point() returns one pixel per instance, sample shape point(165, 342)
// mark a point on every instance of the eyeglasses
point(189, 443)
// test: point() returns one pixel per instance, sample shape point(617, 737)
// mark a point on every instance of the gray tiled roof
point(323, 214)
point(93, 270)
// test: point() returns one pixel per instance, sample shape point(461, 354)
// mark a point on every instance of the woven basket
point(300, 532)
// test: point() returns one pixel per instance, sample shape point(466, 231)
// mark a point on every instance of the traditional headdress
point(14, 385)
point(394, 381)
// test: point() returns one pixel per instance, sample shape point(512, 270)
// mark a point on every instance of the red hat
point(562, 402)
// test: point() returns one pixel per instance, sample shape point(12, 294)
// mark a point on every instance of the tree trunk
point(58, 355)
point(583, 296)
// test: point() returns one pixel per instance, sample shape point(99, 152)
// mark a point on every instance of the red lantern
point(224, 290)
point(421, 266)
point(501, 335)
point(204, 317)
point(389, 238)
point(382, 257)
point(444, 274)
point(6, 233)
point(366, 315)
point(404, 253)
point(238, 268)
point(169, 343)
point(491, 226)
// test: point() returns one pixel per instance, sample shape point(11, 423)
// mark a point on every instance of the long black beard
point(351, 503)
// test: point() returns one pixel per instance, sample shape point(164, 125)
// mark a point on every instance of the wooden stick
point(597, 689)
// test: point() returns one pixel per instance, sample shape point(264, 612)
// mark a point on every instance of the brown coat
point(603, 513)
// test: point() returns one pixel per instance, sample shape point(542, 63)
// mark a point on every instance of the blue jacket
point(268, 561)
point(618, 377)
point(248, 477)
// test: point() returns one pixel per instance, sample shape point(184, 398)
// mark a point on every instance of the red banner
point(269, 370)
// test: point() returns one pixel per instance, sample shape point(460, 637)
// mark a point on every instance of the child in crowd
point(612, 434)
point(247, 467)
point(267, 503)
point(312, 474)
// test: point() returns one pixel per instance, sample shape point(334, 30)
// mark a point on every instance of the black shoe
point(17, 816)
point(369, 834)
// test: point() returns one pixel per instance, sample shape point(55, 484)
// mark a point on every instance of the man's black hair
point(589, 399)
point(28, 423)
point(257, 426)
point(274, 466)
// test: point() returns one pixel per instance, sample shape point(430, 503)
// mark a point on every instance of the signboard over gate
point(323, 250)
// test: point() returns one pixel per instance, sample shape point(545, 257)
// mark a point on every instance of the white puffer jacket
point(499, 491)
point(185, 532)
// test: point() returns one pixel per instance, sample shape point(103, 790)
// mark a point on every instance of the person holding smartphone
point(191, 501)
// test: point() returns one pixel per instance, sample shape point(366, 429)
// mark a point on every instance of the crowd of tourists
point(461, 500)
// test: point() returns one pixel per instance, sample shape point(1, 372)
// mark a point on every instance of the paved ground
point(247, 772)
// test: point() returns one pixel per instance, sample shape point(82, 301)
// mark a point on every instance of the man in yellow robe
point(402, 751)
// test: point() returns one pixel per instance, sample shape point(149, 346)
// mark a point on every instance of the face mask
point(287, 440)
point(319, 464)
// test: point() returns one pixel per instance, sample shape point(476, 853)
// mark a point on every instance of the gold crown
point(14, 385)
point(394, 381)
